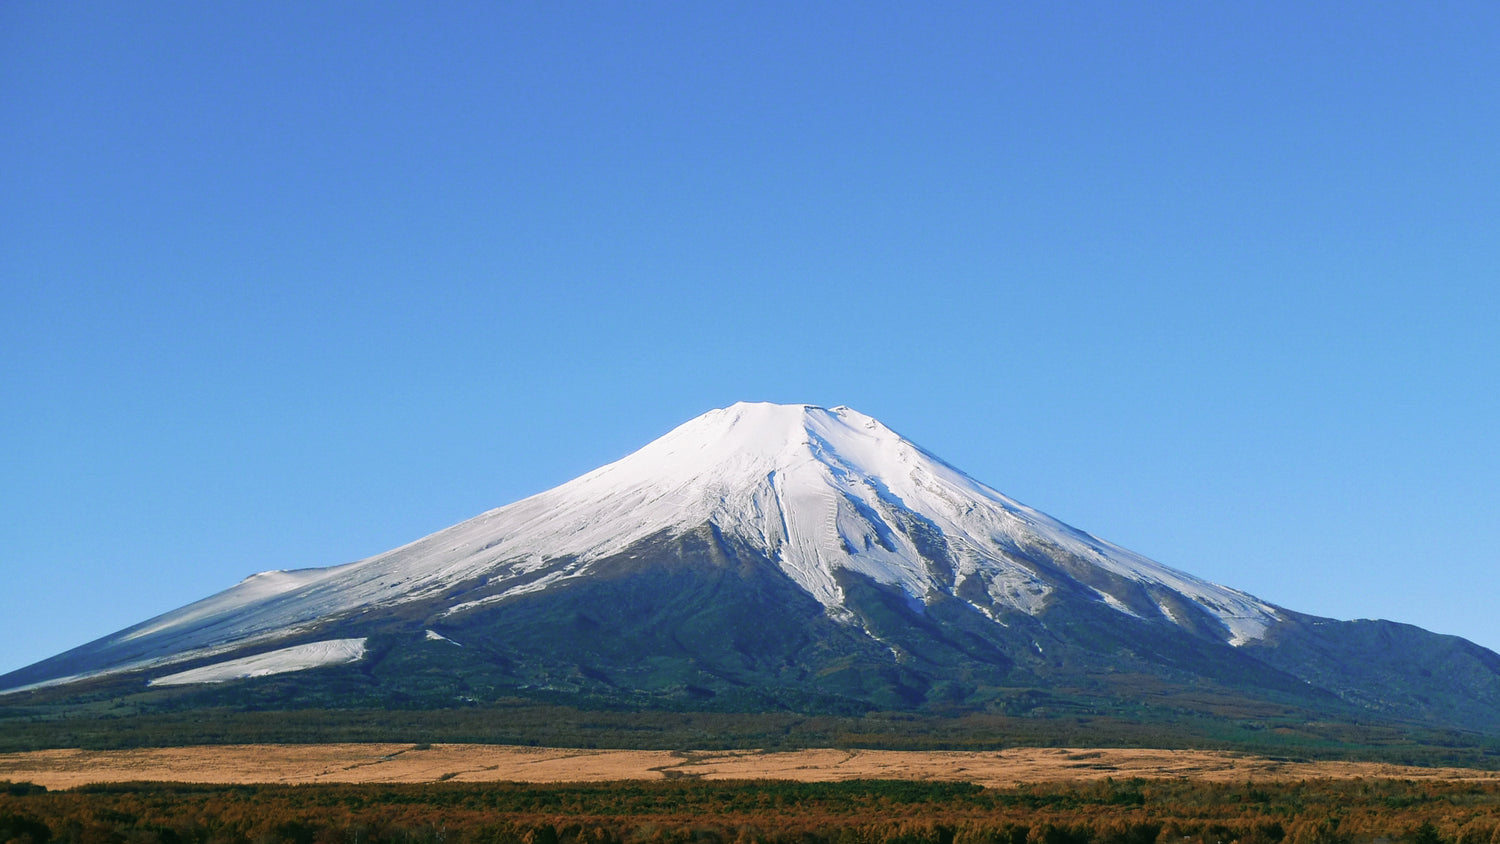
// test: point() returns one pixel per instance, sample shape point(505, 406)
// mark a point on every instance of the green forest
point(113, 726)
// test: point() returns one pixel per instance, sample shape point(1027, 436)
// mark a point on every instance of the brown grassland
point(407, 763)
point(470, 794)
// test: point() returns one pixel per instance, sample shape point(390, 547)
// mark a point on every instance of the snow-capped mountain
point(811, 551)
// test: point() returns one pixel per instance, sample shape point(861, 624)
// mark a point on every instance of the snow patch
point(1116, 604)
point(295, 658)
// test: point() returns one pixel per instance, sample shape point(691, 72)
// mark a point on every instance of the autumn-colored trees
point(689, 812)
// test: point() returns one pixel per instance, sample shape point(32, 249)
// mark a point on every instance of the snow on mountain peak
point(819, 490)
point(829, 489)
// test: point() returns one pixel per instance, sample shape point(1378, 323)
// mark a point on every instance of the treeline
point(530, 723)
point(762, 812)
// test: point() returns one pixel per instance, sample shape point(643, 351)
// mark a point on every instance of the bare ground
point(367, 763)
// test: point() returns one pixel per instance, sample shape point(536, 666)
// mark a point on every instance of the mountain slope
point(790, 556)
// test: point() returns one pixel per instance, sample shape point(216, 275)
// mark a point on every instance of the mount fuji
point(774, 556)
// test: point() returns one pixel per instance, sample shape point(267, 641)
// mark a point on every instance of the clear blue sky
point(289, 284)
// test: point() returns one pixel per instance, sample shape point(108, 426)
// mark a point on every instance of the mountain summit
point(829, 491)
point(778, 555)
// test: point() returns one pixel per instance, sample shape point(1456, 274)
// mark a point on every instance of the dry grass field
point(406, 763)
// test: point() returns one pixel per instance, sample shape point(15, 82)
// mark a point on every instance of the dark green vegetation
point(688, 812)
point(111, 725)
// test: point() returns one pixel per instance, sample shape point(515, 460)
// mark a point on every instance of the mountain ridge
point(771, 554)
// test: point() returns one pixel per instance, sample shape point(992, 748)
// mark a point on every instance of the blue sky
point(286, 285)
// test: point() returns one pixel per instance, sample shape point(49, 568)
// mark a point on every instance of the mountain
point(769, 556)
